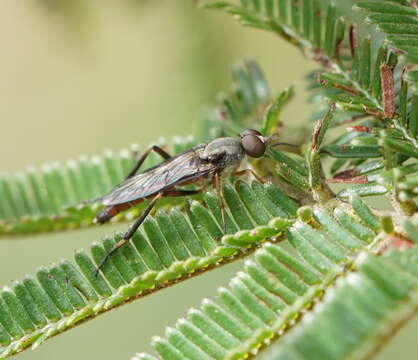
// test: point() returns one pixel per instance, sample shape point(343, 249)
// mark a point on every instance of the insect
point(200, 165)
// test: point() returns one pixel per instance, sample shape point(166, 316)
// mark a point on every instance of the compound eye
point(253, 146)
point(249, 132)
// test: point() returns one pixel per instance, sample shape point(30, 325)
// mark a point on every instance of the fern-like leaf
point(360, 314)
point(170, 248)
point(277, 287)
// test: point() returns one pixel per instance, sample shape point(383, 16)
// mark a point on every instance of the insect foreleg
point(217, 184)
point(141, 160)
point(134, 227)
point(248, 171)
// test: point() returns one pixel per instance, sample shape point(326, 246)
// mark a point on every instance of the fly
point(202, 164)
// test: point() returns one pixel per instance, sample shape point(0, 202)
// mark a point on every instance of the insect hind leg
point(127, 236)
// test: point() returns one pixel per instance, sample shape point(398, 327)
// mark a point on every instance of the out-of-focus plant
point(326, 276)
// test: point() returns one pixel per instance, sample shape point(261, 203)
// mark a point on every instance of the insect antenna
point(272, 141)
point(285, 143)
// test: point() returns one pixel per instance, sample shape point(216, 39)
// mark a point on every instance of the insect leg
point(217, 183)
point(140, 161)
point(134, 227)
point(248, 171)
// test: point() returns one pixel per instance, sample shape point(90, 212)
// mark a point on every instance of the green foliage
point(306, 24)
point(173, 246)
point(320, 261)
point(367, 304)
point(275, 289)
point(399, 23)
point(271, 117)
point(361, 85)
point(51, 197)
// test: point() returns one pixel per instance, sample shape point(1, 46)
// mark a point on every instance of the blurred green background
point(79, 77)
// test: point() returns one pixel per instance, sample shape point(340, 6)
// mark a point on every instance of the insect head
point(253, 143)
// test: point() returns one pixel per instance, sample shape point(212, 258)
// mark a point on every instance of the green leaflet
point(169, 247)
point(271, 116)
point(350, 151)
point(271, 294)
point(363, 190)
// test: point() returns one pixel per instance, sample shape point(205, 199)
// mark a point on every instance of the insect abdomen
point(103, 216)
point(110, 211)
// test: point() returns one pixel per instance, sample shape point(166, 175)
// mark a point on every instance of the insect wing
point(181, 168)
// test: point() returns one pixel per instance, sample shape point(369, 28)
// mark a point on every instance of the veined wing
point(180, 168)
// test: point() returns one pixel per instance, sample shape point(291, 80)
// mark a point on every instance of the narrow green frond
point(360, 314)
point(170, 247)
point(277, 289)
point(399, 23)
point(50, 197)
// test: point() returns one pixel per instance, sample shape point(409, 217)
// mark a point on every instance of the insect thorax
point(224, 152)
